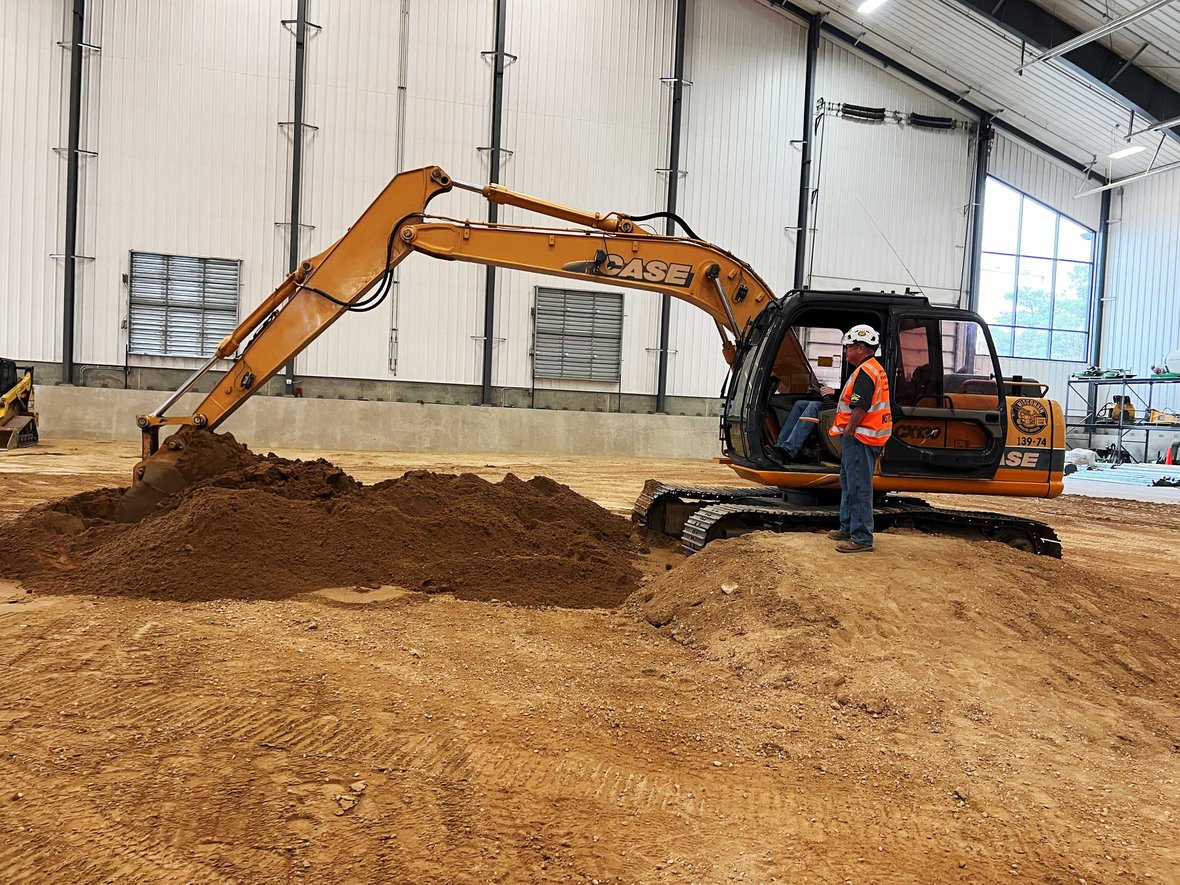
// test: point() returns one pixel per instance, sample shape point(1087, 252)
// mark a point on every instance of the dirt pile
point(263, 527)
point(935, 635)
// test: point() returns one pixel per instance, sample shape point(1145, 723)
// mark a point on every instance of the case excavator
point(18, 421)
point(959, 425)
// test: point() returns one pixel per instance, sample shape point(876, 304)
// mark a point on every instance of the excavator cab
point(947, 388)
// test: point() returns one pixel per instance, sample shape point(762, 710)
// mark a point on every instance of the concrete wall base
point(267, 422)
point(169, 379)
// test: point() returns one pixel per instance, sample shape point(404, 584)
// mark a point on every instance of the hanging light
point(1127, 152)
point(870, 6)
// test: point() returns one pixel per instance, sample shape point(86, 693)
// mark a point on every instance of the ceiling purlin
point(1126, 82)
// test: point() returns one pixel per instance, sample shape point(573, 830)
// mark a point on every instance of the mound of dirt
point(264, 527)
point(928, 632)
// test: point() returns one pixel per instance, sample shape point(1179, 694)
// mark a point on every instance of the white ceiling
point(976, 59)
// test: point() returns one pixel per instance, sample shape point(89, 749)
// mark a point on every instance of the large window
point(181, 306)
point(1035, 279)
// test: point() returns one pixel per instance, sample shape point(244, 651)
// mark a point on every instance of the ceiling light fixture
point(1127, 152)
point(869, 6)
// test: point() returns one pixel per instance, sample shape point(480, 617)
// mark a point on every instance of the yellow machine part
point(18, 421)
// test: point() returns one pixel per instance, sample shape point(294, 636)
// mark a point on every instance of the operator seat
point(833, 445)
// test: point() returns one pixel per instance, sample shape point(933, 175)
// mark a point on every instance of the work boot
point(838, 535)
point(851, 546)
point(780, 455)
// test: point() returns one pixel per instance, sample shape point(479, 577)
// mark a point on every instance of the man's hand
point(858, 415)
point(827, 391)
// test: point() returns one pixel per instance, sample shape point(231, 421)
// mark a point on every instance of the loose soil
point(766, 710)
point(265, 527)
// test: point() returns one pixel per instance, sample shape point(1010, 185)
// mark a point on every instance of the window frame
point(1011, 330)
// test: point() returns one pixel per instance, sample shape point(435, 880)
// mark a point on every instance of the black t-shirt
point(862, 391)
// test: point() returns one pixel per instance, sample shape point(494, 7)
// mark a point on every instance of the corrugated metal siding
point(745, 106)
point(187, 99)
point(439, 309)
point(351, 95)
point(34, 73)
point(1141, 321)
point(892, 199)
point(1044, 179)
point(586, 117)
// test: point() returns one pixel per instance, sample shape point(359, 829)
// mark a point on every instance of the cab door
point(947, 395)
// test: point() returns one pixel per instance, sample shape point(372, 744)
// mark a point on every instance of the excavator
point(18, 421)
point(959, 425)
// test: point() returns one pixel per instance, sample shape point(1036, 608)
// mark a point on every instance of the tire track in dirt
point(468, 788)
point(110, 851)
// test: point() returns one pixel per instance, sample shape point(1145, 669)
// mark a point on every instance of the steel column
point(676, 127)
point(983, 141)
point(72, 169)
point(802, 239)
point(1101, 253)
point(297, 161)
point(489, 298)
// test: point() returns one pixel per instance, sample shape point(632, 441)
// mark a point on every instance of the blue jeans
point(803, 419)
point(858, 461)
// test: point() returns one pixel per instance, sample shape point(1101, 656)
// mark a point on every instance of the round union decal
point(1030, 416)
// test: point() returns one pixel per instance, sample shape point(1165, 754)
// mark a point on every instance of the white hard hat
point(862, 334)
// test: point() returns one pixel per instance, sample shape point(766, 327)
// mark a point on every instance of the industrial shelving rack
point(1089, 392)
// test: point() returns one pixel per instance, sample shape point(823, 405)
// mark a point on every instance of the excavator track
point(725, 513)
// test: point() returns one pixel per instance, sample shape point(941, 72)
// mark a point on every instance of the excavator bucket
point(19, 432)
point(188, 457)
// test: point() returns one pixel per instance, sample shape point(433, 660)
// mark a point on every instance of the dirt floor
point(941, 711)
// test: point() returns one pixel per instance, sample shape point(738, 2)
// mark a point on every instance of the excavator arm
point(609, 248)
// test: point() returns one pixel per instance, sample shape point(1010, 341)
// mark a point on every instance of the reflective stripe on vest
point(877, 425)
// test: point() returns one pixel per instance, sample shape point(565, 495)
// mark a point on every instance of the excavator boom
point(608, 246)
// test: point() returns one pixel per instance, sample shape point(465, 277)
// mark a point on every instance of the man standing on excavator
point(864, 421)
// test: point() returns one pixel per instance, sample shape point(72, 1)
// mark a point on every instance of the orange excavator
point(959, 425)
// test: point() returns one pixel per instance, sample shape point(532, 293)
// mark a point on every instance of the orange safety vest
point(877, 425)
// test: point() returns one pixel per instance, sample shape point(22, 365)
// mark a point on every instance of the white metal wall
point(586, 117)
point(892, 205)
point(746, 63)
point(34, 93)
point(1141, 319)
point(188, 98)
point(184, 105)
point(439, 309)
point(351, 96)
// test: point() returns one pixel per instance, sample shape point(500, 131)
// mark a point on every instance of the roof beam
point(1136, 89)
point(1097, 34)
